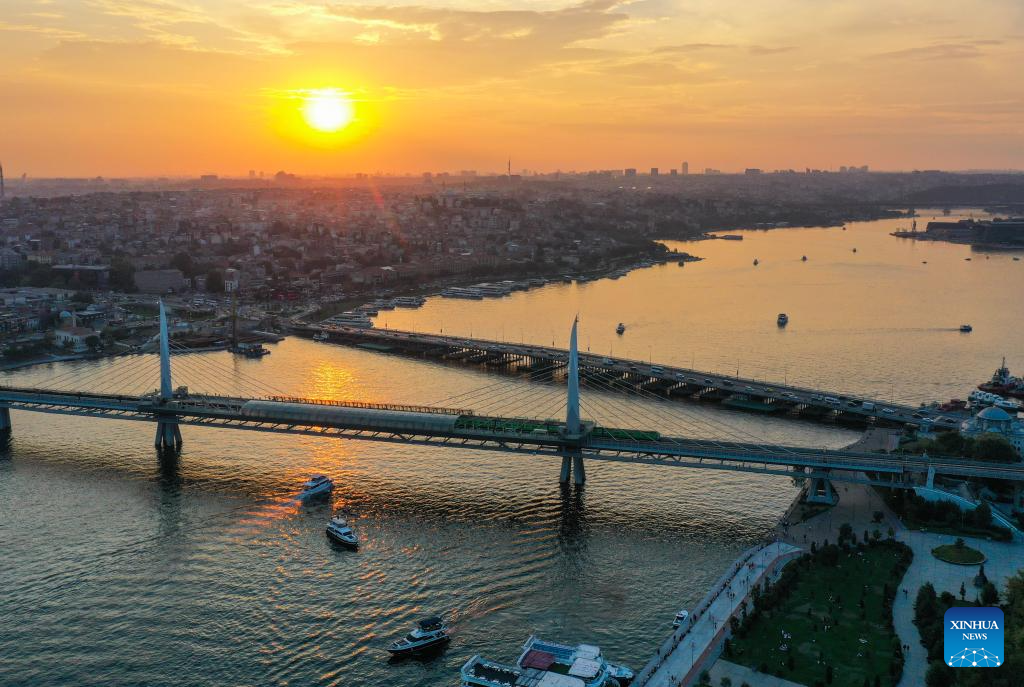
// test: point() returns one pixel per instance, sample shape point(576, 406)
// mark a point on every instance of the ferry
point(620, 329)
point(966, 328)
point(338, 530)
point(429, 633)
point(547, 664)
point(681, 618)
point(316, 485)
point(350, 318)
point(981, 399)
point(250, 350)
point(410, 301)
point(782, 320)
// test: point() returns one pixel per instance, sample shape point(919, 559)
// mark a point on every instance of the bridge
point(574, 440)
point(668, 381)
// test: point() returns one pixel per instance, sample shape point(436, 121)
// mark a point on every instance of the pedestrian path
point(683, 655)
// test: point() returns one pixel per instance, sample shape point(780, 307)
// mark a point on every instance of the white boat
point(783, 319)
point(429, 633)
point(620, 329)
point(681, 618)
point(316, 485)
point(341, 532)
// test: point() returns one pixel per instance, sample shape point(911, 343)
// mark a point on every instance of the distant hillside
point(980, 195)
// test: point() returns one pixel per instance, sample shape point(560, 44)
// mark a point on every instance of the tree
point(994, 447)
point(122, 275)
point(93, 342)
point(184, 262)
point(938, 675)
point(963, 591)
point(989, 595)
point(215, 281)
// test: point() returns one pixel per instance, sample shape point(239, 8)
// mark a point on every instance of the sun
point(328, 109)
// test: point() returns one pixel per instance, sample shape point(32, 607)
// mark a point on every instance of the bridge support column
point(931, 478)
point(579, 475)
point(566, 469)
point(5, 420)
point(820, 490)
point(168, 436)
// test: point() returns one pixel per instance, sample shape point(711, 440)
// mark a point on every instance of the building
point(996, 421)
point(686, 168)
point(159, 281)
point(654, 171)
point(74, 338)
point(630, 171)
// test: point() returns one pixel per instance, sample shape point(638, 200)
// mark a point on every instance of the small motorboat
point(429, 633)
point(1016, 259)
point(854, 250)
point(622, 674)
point(316, 485)
point(803, 259)
point(782, 320)
point(681, 618)
point(339, 531)
point(966, 328)
point(967, 259)
point(620, 329)
point(756, 262)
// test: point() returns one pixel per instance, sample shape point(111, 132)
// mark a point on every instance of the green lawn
point(960, 555)
point(847, 598)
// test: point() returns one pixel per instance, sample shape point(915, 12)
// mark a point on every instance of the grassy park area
point(828, 620)
point(958, 553)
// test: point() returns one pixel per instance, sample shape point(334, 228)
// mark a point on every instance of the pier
point(690, 648)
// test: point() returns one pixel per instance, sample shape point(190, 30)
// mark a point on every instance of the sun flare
point(328, 110)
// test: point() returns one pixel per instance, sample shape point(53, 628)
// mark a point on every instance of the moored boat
point(548, 664)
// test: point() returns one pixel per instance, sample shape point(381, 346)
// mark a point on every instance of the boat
point(316, 485)
point(429, 633)
point(782, 320)
point(681, 618)
point(731, 237)
point(338, 530)
point(547, 664)
point(756, 262)
point(250, 350)
point(803, 259)
point(1016, 259)
point(966, 328)
point(854, 250)
point(321, 336)
point(620, 329)
point(984, 399)
point(1004, 384)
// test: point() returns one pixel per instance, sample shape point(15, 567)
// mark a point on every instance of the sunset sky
point(184, 87)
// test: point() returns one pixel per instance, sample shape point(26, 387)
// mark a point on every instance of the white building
point(73, 338)
point(997, 421)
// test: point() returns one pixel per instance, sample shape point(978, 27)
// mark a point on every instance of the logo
point(973, 637)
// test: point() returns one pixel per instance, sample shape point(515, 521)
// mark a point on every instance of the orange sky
point(183, 87)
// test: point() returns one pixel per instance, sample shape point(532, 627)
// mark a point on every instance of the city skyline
point(181, 90)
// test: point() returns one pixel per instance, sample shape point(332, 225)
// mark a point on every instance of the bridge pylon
point(572, 458)
point(168, 435)
point(820, 490)
point(5, 421)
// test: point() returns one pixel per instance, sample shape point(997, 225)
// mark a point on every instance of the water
point(120, 570)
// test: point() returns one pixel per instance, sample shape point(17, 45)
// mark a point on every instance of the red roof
point(541, 660)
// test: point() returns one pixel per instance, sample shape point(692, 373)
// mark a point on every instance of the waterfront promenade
point(684, 654)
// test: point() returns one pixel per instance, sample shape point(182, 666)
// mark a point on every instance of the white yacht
point(429, 633)
point(316, 485)
point(681, 618)
point(338, 530)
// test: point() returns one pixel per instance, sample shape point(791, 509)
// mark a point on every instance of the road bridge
point(645, 377)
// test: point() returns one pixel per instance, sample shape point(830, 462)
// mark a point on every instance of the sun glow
point(328, 110)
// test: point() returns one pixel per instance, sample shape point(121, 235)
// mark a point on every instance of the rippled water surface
point(119, 569)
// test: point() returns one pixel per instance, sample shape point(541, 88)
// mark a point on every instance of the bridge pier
point(5, 420)
point(820, 490)
point(168, 436)
point(579, 475)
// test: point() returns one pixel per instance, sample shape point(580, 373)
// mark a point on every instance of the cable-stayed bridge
point(627, 438)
